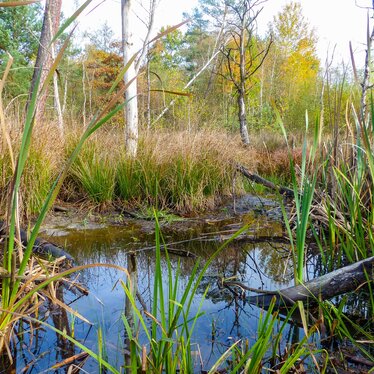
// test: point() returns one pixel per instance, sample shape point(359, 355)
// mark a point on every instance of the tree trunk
point(56, 94)
point(338, 282)
point(243, 118)
point(132, 284)
point(148, 90)
point(242, 84)
point(257, 179)
point(44, 58)
point(366, 81)
point(41, 247)
point(131, 109)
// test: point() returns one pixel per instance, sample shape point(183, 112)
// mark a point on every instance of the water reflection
point(132, 285)
point(227, 316)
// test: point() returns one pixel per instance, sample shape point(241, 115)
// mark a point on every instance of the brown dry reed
point(180, 170)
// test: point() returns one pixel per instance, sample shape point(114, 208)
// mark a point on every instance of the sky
point(336, 21)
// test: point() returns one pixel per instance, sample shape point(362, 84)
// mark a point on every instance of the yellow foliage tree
point(293, 65)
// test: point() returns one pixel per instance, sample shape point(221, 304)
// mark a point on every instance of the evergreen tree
point(23, 46)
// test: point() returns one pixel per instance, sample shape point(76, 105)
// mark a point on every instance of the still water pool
point(258, 259)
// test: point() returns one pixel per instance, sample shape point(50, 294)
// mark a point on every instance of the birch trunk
point(243, 118)
point(131, 108)
point(242, 90)
point(148, 90)
point(366, 80)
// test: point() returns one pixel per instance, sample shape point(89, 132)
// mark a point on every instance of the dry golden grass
point(177, 169)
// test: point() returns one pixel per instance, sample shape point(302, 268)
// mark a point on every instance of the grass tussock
point(94, 172)
point(179, 170)
point(185, 171)
point(45, 159)
point(277, 162)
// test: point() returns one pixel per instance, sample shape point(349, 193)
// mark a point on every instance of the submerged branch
point(346, 279)
point(41, 247)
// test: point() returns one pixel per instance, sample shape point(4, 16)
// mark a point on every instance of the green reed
point(303, 186)
point(95, 173)
point(14, 297)
point(166, 332)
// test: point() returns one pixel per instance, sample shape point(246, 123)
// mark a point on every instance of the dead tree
point(131, 94)
point(325, 287)
point(242, 57)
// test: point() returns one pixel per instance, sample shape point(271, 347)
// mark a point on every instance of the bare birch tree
point(367, 72)
point(239, 47)
point(242, 57)
point(131, 95)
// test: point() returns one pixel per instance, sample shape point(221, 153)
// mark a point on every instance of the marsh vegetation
point(168, 223)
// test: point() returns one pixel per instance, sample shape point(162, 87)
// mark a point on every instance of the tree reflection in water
point(228, 317)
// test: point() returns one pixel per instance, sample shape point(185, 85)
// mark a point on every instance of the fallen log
point(257, 179)
point(338, 282)
point(41, 247)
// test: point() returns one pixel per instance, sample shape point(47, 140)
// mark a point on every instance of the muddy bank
point(262, 216)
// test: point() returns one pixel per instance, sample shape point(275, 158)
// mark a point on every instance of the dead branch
point(257, 179)
point(338, 282)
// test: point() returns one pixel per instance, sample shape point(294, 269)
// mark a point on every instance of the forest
point(176, 176)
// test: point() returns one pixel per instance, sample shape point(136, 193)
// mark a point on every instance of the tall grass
point(161, 340)
point(16, 294)
point(170, 331)
point(346, 203)
point(95, 173)
point(303, 186)
point(184, 171)
point(333, 198)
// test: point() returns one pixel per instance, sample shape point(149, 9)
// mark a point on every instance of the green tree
point(23, 46)
point(168, 50)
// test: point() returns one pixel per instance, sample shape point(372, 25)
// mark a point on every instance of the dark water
point(260, 263)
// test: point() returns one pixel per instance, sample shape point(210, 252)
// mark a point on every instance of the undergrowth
point(178, 170)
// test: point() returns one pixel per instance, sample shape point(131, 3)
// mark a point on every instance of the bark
point(44, 57)
point(131, 108)
point(56, 93)
point(242, 85)
point(366, 80)
point(148, 91)
point(346, 279)
point(243, 118)
point(256, 178)
point(131, 94)
point(84, 94)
